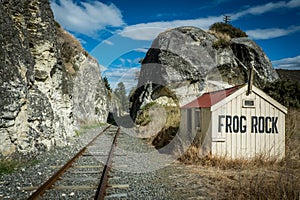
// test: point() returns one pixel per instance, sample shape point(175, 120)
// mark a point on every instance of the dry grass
point(70, 47)
point(220, 35)
point(257, 178)
point(263, 185)
point(223, 39)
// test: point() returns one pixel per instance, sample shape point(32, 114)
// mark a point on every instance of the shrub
point(221, 43)
point(143, 117)
point(285, 92)
point(228, 29)
point(57, 24)
point(8, 166)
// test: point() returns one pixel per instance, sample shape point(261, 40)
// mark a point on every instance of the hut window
point(248, 103)
point(197, 119)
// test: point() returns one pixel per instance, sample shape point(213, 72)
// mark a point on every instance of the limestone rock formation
point(189, 61)
point(48, 83)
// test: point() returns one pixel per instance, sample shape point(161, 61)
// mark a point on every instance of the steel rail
point(48, 184)
point(100, 193)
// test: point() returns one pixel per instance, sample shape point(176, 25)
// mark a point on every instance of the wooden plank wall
point(247, 145)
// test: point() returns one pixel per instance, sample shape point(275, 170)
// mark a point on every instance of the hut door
point(197, 119)
point(189, 123)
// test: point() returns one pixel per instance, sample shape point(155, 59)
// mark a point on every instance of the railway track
point(86, 174)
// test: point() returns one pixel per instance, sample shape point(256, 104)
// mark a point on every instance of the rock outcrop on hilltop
point(48, 83)
point(189, 61)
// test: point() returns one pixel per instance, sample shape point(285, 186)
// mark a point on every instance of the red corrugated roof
point(209, 99)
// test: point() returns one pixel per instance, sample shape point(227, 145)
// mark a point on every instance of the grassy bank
point(14, 163)
point(84, 127)
point(8, 166)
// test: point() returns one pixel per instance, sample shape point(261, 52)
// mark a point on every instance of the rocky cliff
point(188, 61)
point(48, 83)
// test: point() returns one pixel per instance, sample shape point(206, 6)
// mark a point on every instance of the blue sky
point(119, 32)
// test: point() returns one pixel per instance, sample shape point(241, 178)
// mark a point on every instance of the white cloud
point(258, 10)
point(82, 41)
point(87, 17)
point(102, 68)
point(122, 60)
point(90, 17)
point(293, 3)
point(287, 63)
point(145, 31)
point(108, 42)
point(143, 50)
point(262, 34)
point(125, 75)
point(149, 31)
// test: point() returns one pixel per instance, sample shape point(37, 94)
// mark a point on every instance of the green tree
point(106, 84)
point(120, 93)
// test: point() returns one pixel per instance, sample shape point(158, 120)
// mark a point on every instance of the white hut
point(236, 123)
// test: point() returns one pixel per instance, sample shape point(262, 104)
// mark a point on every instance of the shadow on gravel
point(123, 121)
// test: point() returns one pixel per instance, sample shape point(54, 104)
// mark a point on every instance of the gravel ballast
point(138, 172)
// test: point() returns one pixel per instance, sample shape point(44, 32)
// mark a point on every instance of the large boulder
point(190, 61)
point(182, 64)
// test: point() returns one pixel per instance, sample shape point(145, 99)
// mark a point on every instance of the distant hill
point(293, 75)
point(287, 90)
